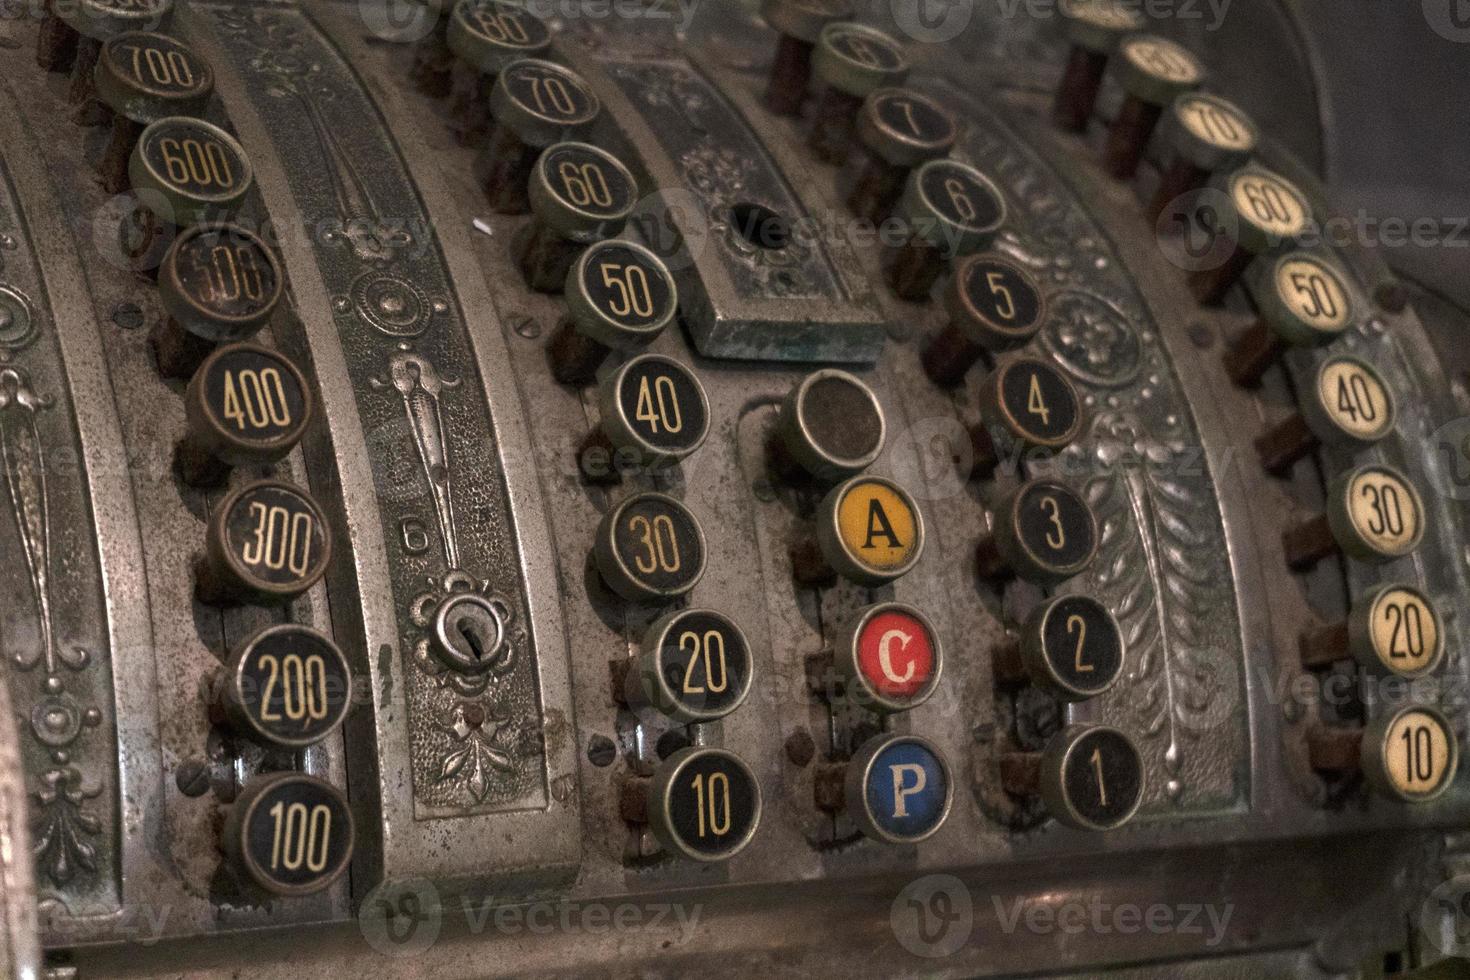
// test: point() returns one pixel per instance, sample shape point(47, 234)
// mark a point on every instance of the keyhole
point(473, 636)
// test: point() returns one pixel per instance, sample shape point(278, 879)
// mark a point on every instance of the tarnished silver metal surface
point(446, 457)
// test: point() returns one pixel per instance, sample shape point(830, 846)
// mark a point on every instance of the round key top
point(1394, 629)
point(898, 788)
point(1094, 30)
point(1025, 404)
point(654, 413)
point(1303, 302)
point(219, 285)
point(1374, 514)
point(1153, 72)
point(869, 531)
point(289, 834)
point(897, 129)
point(704, 804)
point(1072, 647)
point(579, 195)
point(799, 23)
point(1209, 135)
point(890, 658)
point(951, 210)
point(188, 171)
point(650, 548)
point(620, 296)
point(488, 35)
point(287, 686)
point(1044, 533)
point(246, 406)
point(1348, 406)
point(694, 665)
point(1263, 212)
point(994, 306)
point(1092, 777)
point(268, 542)
point(535, 104)
point(831, 427)
point(142, 78)
point(1410, 755)
point(851, 62)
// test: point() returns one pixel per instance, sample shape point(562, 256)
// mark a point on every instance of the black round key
point(1001, 303)
point(655, 406)
point(289, 834)
point(145, 77)
point(831, 426)
point(187, 171)
point(858, 54)
point(1044, 533)
point(694, 666)
point(1071, 646)
point(962, 198)
point(582, 191)
point(246, 405)
point(994, 306)
point(1039, 405)
point(288, 686)
point(268, 543)
point(539, 99)
point(1092, 777)
point(704, 804)
point(907, 118)
point(626, 289)
point(218, 284)
point(620, 296)
point(650, 548)
point(1025, 404)
point(489, 34)
point(951, 210)
point(221, 284)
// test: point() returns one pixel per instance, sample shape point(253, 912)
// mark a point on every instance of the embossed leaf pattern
point(61, 826)
point(1153, 540)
